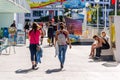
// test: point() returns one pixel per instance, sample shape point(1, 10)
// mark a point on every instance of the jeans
point(33, 51)
point(39, 55)
point(62, 52)
point(98, 50)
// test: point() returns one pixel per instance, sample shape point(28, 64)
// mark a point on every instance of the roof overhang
point(9, 6)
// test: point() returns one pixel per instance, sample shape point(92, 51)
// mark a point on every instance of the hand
point(55, 55)
point(70, 46)
point(54, 45)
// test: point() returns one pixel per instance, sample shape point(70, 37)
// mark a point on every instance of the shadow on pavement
point(24, 71)
point(92, 61)
point(49, 71)
point(6, 54)
point(110, 64)
point(19, 45)
point(47, 46)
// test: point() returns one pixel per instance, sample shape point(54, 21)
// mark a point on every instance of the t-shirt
point(34, 37)
point(62, 38)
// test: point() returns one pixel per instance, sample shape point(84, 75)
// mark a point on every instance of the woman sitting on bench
point(101, 43)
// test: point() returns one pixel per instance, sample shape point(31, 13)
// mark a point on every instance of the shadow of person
point(24, 71)
point(110, 64)
point(49, 71)
point(46, 46)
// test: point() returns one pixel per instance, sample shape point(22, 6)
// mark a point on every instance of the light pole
point(58, 14)
point(85, 19)
point(105, 14)
point(115, 7)
point(97, 1)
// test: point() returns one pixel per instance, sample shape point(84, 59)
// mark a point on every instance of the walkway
point(77, 66)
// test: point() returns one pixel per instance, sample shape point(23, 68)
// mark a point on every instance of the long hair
point(34, 27)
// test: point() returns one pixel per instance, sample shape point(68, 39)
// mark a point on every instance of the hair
point(61, 27)
point(50, 22)
point(61, 23)
point(103, 32)
point(34, 26)
point(95, 36)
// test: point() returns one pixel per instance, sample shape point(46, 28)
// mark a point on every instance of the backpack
point(61, 39)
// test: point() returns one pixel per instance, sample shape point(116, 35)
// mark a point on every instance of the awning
point(9, 6)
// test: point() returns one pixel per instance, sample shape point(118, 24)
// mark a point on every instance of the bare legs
point(92, 50)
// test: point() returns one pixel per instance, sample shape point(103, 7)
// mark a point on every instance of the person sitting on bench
point(101, 43)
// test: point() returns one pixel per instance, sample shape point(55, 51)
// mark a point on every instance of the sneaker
point(61, 66)
point(34, 67)
point(96, 58)
point(91, 57)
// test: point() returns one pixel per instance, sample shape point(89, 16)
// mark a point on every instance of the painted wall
point(6, 19)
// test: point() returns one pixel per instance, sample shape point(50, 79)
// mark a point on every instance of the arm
point(68, 39)
point(56, 38)
point(99, 44)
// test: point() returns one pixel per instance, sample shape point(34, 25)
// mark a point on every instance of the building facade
point(12, 10)
point(105, 6)
point(41, 12)
point(50, 10)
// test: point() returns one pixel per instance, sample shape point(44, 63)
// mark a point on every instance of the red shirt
point(34, 37)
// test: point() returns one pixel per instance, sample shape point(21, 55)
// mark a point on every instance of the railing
point(90, 31)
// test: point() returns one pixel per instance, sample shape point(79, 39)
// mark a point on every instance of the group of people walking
point(59, 36)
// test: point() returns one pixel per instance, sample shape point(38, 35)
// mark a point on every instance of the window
point(101, 4)
point(92, 5)
point(26, 20)
point(107, 6)
point(37, 13)
point(27, 15)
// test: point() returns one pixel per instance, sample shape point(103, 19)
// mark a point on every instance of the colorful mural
point(42, 3)
point(74, 4)
point(74, 26)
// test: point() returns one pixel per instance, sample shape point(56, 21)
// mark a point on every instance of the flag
point(113, 2)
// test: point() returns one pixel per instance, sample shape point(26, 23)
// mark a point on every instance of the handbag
point(38, 48)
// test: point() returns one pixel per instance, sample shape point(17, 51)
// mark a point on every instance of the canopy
point(74, 4)
point(77, 16)
point(42, 3)
point(11, 7)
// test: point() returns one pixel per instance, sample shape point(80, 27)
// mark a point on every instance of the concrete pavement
point(77, 66)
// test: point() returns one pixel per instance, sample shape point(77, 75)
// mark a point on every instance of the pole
point(58, 15)
point(97, 1)
point(97, 18)
point(105, 18)
point(115, 7)
point(85, 19)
